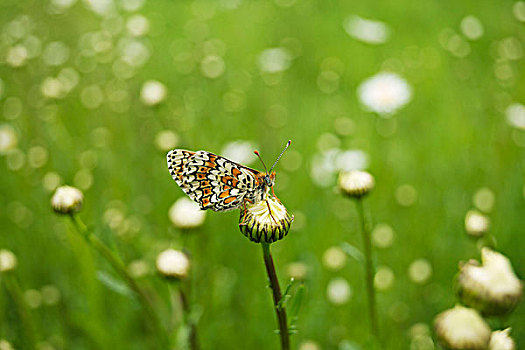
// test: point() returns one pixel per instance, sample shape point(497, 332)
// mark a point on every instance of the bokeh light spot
point(406, 195)
point(484, 199)
point(384, 278)
point(338, 291)
point(420, 271)
point(383, 235)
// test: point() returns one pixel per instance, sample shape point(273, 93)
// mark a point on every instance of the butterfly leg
point(244, 207)
point(273, 193)
point(270, 211)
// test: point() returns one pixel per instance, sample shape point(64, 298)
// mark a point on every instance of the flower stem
point(276, 290)
point(369, 270)
point(13, 288)
point(119, 267)
point(193, 342)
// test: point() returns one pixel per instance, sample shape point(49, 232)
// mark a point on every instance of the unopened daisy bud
point(491, 288)
point(501, 340)
point(476, 224)
point(8, 260)
point(173, 264)
point(186, 214)
point(461, 328)
point(267, 221)
point(67, 200)
point(356, 183)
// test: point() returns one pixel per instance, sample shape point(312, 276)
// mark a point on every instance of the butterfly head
point(269, 179)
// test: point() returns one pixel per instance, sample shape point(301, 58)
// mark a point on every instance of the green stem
point(119, 267)
point(276, 290)
point(25, 316)
point(194, 344)
point(369, 269)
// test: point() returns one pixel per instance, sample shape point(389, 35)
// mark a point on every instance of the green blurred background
point(75, 109)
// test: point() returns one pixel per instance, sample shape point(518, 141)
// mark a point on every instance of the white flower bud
point(491, 288)
point(67, 200)
point(356, 183)
point(267, 221)
point(476, 224)
point(462, 328)
point(501, 340)
point(173, 263)
point(8, 260)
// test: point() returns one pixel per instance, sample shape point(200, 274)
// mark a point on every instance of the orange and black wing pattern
point(214, 182)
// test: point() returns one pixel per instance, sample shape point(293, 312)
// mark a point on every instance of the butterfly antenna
point(258, 155)
point(280, 155)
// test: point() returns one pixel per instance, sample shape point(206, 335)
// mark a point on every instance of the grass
point(450, 140)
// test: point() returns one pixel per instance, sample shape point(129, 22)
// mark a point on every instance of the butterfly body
point(215, 182)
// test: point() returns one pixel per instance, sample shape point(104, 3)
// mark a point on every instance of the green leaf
point(296, 305)
point(286, 295)
point(114, 284)
point(353, 252)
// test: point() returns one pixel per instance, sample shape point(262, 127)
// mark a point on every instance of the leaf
point(286, 295)
point(296, 305)
point(114, 284)
point(353, 252)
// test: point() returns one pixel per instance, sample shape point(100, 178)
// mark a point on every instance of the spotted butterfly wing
point(177, 158)
point(215, 182)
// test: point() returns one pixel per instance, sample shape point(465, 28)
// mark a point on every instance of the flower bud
point(8, 260)
point(267, 221)
point(476, 224)
point(491, 288)
point(67, 200)
point(356, 183)
point(173, 264)
point(501, 340)
point(461, 328)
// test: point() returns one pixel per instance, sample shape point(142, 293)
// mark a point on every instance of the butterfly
point(217, 183)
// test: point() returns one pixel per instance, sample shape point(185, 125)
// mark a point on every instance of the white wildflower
point(384, 93)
